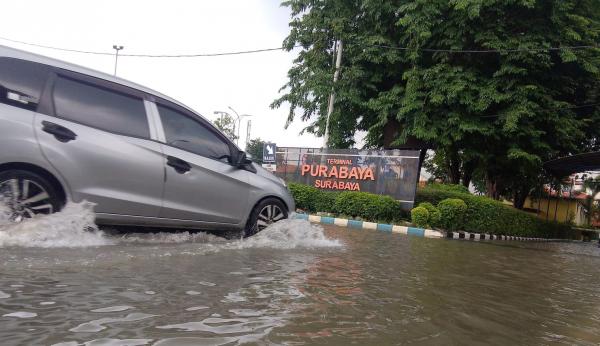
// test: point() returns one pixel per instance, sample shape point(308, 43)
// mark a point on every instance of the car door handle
point(179, 165)
point(61, 133)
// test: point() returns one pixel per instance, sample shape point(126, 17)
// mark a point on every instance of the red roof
point(568, 195)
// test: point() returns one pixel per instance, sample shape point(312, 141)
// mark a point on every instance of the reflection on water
point(293, 284)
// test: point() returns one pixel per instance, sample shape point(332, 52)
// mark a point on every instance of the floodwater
point(293, 284)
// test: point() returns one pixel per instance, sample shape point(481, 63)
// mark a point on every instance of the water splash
point(170, 238)
point(285, 234)
point(289, 234)
point(72, 227)
point(4, 213)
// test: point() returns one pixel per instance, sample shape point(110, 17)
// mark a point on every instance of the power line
point(55, 48)
point(197, 55)
point(477, 51)
point(144, 55)
point(202, 54)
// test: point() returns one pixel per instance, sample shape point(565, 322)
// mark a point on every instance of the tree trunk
point(468, 170)
point(391, 132)
point(453, 166)
point(491, 186)
point(520, 196)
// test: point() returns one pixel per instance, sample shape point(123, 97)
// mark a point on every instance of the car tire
point(35, 195)
point(265, 213)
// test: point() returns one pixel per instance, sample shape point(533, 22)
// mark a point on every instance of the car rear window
point(21, 83)
point(100, 108)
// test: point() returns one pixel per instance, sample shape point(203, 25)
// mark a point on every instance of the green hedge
point(367, 206)
point(486, 215)
point(483, 215)
point(448, 187)
point(434, 214)
point(311, 199)
point(452, 214)
point(419, 216)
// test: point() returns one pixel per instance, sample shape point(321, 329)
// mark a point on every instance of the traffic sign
point(269, 150)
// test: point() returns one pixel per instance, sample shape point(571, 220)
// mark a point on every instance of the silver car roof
point(10, 52)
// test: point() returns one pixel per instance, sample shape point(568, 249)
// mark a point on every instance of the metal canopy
point(574, 164)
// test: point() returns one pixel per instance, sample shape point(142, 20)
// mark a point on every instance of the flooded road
point(293, 284)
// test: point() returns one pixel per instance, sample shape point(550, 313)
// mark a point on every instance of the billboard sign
point(269, 150)
point(385, 172)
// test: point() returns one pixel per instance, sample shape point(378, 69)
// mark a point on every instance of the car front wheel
point(26, 194)
point(264, 214)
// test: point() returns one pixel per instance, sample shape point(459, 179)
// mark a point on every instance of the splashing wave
point(72, 227)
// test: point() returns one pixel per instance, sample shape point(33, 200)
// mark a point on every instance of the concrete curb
point(419, 232)
point(382, 227)
point(483, 236)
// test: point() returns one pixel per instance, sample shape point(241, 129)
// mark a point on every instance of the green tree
point(255, 149)
point(226, 124)
point(516, 98)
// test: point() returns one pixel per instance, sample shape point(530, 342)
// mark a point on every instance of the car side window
point(183, 132)
point(101, 108)
point(21, 83)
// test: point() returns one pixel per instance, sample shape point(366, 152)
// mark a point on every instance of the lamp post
point(248, 127)
point(117, 49)
point(239, 119)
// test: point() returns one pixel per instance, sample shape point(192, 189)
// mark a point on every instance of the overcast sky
point(248, 83)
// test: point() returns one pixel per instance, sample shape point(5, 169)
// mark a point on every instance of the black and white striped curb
point(484, 236)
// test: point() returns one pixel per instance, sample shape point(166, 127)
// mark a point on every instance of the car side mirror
point(242, 160)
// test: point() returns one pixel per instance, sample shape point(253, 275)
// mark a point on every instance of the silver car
point(68, 133)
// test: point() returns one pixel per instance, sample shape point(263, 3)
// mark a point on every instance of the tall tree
point(255, 149)
point(490, 81)
point(226, 124)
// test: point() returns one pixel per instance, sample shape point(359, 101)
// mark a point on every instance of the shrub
point(483, 214)
point(452, 213)
point(325, 201)
point(448, 187)
point(311, 199)
point(367, 206)
point(434, 214)
point(303, 196)
point(486, 215)
point(435, 196)
point(420, 217)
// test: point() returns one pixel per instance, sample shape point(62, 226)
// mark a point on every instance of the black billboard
point(384, 172)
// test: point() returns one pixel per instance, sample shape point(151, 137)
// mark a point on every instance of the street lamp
point(239, 119)
point(248, 127)
point(117, 49)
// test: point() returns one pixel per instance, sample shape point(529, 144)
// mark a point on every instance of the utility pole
point(117, 49)
point(239, 120)
point(248, 127)
point(336, 75)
